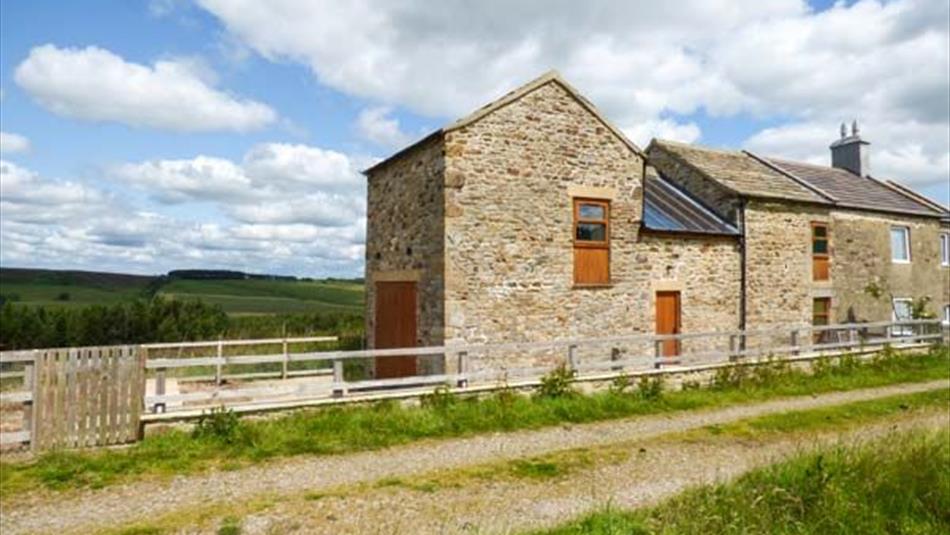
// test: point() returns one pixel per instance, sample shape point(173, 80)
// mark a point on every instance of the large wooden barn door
point(395, 327)
point(668, 320)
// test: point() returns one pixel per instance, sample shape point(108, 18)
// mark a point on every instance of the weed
point(222, 425)
point(439, 399)
point(620, 384)
point(557, 383)
point(230, 526)
point(650, 388)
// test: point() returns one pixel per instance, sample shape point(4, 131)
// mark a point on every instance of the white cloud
point(13, 143)
point(643, 64)
point(282, 209)
point(96, 85)
point(376, 125)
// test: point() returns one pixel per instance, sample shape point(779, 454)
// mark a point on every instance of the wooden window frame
point(817, 258)
point(588, 244)
point(827, 314)
point(578, 201)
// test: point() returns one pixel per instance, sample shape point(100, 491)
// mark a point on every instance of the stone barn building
point(534, 218)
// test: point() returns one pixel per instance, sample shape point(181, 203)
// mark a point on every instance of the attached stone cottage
point(535, 219)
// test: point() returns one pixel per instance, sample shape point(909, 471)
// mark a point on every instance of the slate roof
point(739, 172)
point(850, 190)
point(748, 174)
point(666, 208)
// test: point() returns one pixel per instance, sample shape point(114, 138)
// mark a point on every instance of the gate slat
point(81, 394)
point(72, 396)
point(113, 427)
point(102, 389)
point(136, 391)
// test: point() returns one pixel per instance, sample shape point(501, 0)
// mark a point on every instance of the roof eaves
point(401, 152)
point(802, 182)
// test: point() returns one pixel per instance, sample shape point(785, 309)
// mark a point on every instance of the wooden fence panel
point(87, 396)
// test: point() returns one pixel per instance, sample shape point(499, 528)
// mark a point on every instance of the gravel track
point(84, 511)
point(515, 505)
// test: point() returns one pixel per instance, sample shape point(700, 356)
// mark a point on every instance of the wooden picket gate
point(89, 396)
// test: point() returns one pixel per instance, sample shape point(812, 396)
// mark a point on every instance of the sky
point(230, 134)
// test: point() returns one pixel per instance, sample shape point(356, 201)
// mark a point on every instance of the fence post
point(218, 366)
point(462, 369)
point(339, 386)
point(852, 337)
point(572, 358)
point(28, 382)
point(794, 342)
point(283, 363)
point(159, 389)
point(614, 357)
point(657, 353)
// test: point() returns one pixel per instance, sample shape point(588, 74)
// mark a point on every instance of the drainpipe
point(742, 272)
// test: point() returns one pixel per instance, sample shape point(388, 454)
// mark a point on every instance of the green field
point(244, 297)
point(239, 297)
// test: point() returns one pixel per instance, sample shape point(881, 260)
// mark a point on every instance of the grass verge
point(224, 441)
point(562, 464)
point(897, 484)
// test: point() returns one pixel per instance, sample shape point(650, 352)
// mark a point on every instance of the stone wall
point(716, 197)
point(861, 254)
point(404, 238)
point(779, 286)
point(510, 182)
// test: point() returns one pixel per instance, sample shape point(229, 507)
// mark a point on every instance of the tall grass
point(237, 442)
point(898, 484)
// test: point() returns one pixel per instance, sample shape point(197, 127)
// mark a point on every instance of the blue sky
point(154, 135)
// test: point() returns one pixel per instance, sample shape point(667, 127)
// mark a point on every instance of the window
point(820, 315)
point(821, 311)
point(902, 312)
point(946, 314)
point(591, 242)
point(819, 252)
point(900, 244)
point(945, 249)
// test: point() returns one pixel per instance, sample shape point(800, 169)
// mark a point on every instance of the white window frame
point(906, 229)
point(945, 249)
point(946, 315)
point(902, 330)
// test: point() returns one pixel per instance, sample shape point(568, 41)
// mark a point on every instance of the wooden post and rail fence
point(98, 396)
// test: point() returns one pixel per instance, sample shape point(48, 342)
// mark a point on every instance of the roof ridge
point(696, 146)
point(529, 87)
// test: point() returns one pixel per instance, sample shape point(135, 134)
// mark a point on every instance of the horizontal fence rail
point(203, 375)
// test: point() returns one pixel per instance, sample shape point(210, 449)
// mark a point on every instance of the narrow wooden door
point(668, 320)
point(395, 327)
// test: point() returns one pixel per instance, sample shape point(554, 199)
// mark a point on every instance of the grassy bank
point(227, 442)
point(899, 484)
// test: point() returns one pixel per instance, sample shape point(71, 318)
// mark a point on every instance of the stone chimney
point(851, 152)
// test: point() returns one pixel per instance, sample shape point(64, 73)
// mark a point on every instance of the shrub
point(557, 383)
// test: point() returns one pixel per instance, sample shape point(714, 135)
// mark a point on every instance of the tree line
point(159, 320)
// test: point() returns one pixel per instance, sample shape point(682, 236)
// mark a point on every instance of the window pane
point(819, 247)
point(821, 232)
point(901, 310)
point(945, 248)
point(591, 211)
point(899, 243)
point(820, 306)
point(820, 310)
point(591, 232)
